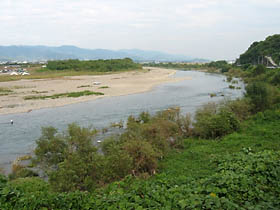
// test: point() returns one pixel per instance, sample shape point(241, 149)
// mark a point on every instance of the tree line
point(94, 65)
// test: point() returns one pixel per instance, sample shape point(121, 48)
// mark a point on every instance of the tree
point(70, 159)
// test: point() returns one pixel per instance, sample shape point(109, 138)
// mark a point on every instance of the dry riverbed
point(13, 94)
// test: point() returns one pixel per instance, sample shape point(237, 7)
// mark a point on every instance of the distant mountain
point(38, 53)
point(270, 47)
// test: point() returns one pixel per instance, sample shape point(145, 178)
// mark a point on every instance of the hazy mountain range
point(39, 53)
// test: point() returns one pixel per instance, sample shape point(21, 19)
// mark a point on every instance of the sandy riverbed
point(119, 84)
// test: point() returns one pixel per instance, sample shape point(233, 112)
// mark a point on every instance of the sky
point(211, 29)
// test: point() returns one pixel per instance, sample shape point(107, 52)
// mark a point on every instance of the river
point(19, 139)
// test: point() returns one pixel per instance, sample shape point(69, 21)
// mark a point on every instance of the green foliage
point(76, 172)
point(260, 133)
point(269, 47)
point(116, 164)
point(3, 181)
point(72, 162)
point(70, 159)
point(51, 148)
point(259, 69)
point(94, 65)
point(29, 185)
point(222, 65)
point(275, 80)
point(22, 172)
point(249, 179)
point(240, 181)
point(240, 107)
point(260, 95)
point(211, 122)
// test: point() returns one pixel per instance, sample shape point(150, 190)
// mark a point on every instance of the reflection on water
point(19, 138)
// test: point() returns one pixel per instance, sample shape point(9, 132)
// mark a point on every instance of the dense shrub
point(117, 164)
point(259, 69)
point(144, 156)
point(70, 159)
point(22, 172)
point(262, 95)
point(51, 148)
point(242, 108)
point(276, 79)
point(163, 130)
point(211, 122)
point(72, 162)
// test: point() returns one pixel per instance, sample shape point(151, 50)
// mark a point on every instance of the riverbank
point(14, 101)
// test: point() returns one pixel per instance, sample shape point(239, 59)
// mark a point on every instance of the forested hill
point(269, 47)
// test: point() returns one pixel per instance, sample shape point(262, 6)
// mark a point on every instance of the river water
point(19, 139)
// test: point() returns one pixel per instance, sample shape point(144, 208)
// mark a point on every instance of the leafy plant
point(210, 122)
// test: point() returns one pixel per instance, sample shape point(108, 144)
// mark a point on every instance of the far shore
point(111, 85)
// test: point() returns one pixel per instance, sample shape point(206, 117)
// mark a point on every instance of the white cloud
point(196, 27)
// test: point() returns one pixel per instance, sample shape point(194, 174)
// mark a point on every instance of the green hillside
point(269, 47)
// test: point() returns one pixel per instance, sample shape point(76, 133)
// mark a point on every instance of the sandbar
point(119, 84)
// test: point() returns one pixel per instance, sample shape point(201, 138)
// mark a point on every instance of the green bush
point(3, 181)
point(262, 95)
point(211, 122)
point(163, 130)
point(117, 165)
point(72, 162)
point(259, 69)
point(276, 79)
point(242, 108)
point(30, 184)
point(70, 159)
point(77, 172)
point(144, 156)
point(22, 172)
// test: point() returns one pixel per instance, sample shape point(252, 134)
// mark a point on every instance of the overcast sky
point(213, 29)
